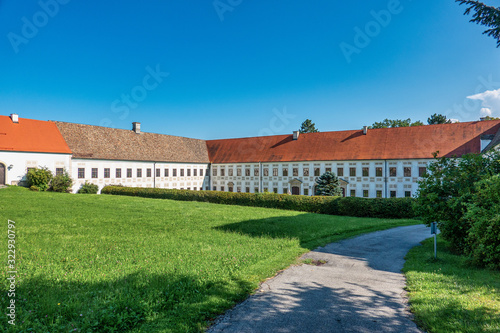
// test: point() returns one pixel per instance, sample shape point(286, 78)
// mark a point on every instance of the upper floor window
point(81, 173)
point(317, 171)
point(139, 173)
point(158, 173)
point(306, 172)
point(285, 172)
point(189, 172)
point(352, 172)
point(230, 172)
point(95, 173)
point(174, 172)
point(118, 173)
point(422, 171)
point(295, 172)
point(256, 172)
point(201, 172)
point(366, 172)
point(107, 173)
point(393, 172)
point(378, 172)
point(247, 172)
point(148, 172)
point(194, 172)
point(238, 172)
point(222, 172)
point(407, 171)
point(129, 173)
point(266, 172)
point(340, 172)
point(182, 172)
point(275, 172)
point(165, 173)
point(328, 169)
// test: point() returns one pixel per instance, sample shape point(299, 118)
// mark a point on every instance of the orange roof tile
point(386, 143)
point(31, 136)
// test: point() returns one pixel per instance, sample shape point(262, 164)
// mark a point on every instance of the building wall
point(253, 177)
point(186, 176)
point(17, 164)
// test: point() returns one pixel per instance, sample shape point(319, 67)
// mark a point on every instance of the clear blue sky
point(236, 66)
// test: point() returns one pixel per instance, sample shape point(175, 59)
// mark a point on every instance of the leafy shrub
point(88, 188)
point(62, 183)
point(483, 214)
point(359, 207)
point(39, 177)
point(34, 188)
point(447, 188)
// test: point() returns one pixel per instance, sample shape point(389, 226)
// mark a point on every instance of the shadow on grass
point(180, 303)
point(312, 230)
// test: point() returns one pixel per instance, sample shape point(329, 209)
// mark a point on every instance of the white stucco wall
point(178, 182)
point(400, 184)
point(17, 163)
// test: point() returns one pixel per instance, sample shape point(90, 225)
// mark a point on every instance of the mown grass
point(97, 263)
point(450, 295)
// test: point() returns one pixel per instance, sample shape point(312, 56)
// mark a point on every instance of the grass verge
point(96, 263)
point(448, 295)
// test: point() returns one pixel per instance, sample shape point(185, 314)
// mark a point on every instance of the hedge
point(394, 208)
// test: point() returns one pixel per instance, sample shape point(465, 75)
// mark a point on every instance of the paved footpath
point(359, 289)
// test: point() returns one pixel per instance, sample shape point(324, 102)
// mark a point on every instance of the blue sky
point(236, 68)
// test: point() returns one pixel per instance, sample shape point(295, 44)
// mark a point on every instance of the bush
point(448, 187)
point(359, 207)
point(62, 183)
point(34, 188)
point(39, 177)
point(88, 188)
point(483, 214)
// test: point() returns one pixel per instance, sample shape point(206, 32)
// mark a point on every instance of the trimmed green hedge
point(395, 208)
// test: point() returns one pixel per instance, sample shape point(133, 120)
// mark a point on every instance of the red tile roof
point(386, 143)
point(31, 136)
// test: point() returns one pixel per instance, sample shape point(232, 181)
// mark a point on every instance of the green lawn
point(97, 263)
point(448, 295)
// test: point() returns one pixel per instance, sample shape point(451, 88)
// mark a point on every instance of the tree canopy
point(328, 185)
point(486, 15)
point(308, 127)
point(438, 119)
point(389, 123)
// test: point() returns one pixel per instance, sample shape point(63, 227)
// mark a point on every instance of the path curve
point(359, 289)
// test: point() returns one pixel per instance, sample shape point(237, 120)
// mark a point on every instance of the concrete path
point(359, 289)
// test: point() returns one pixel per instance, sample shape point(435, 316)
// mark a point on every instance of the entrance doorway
point(2, 174)
point(295, 190)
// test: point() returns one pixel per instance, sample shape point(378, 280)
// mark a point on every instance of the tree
point(438, 119)
point(308, 127)
point(490, 118)
point(39, 178)
point(486, 15)
point(447, 187)
point(390, 123)
point(328, 185)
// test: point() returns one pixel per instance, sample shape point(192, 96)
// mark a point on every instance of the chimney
point(15, 118)
point(296, 135)
point(365, 130)
point(136, 127)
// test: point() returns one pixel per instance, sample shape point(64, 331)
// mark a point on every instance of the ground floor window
point(306, 191)
point(59, 171)
point(81, 173)
point(393, 194)
point(353, 193)
point(107, 173)
point(379, 194)
point(365, 193)
point(95, 173)
point(407, 194)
